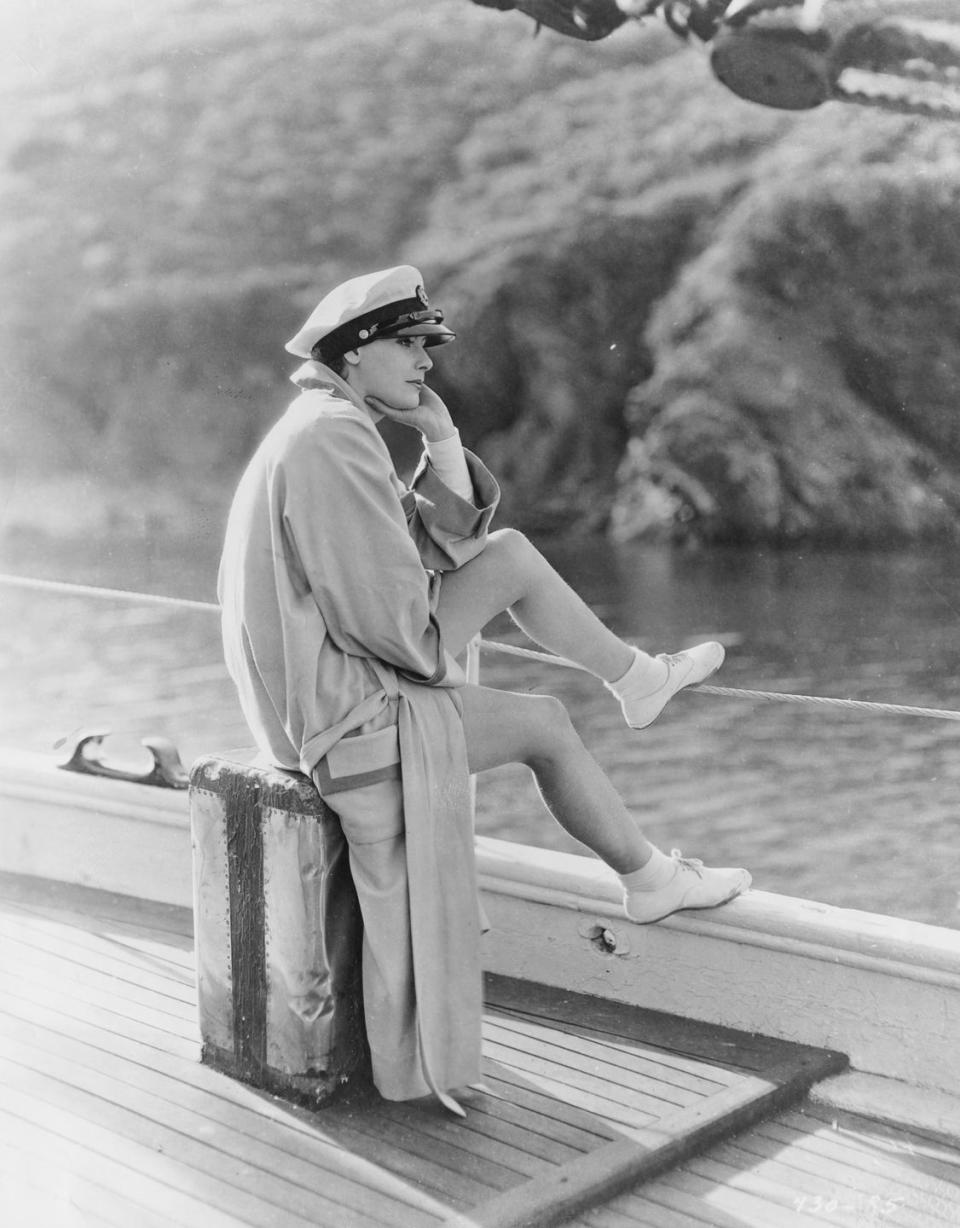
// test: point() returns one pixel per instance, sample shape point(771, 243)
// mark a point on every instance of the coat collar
point(312, 376)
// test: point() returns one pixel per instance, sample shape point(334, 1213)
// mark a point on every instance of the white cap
point(391, 303)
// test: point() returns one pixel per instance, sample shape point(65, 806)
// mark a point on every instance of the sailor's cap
point(391, 303)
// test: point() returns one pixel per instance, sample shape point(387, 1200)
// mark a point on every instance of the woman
point(346, 598)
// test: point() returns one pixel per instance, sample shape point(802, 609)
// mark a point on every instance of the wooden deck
point(107, 1116)
point(802, 1168)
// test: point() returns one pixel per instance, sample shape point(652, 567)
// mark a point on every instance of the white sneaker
point(693, 886)
point(686, 668)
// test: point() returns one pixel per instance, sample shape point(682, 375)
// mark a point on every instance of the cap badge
point(422, 296)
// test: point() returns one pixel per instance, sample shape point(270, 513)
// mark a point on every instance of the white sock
point(657, 872)
point(646, 674)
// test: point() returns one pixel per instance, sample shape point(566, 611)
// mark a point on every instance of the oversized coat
point(328, 585)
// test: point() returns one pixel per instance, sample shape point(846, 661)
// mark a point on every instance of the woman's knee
point(550, 730)
point(513, 549)
point(503, 727)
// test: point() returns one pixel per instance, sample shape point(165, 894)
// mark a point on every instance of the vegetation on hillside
point(178, 181)
point(613, 235)
point(807, 363)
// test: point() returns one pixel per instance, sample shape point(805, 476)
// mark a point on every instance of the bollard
point(277, 932)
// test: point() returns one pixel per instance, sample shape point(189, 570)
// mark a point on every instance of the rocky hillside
point(680, 315)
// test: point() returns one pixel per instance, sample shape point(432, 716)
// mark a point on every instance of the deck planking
point(109, 1117)
point(804, 1168)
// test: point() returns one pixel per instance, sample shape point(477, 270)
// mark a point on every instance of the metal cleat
point(84, 753)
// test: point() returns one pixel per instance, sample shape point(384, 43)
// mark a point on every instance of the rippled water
point(852, 809)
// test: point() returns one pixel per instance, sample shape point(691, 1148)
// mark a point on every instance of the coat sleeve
point(449, 530)
point(346, 537)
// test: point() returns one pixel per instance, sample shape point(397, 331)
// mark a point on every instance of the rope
point(871, 95)
point(114, 594)
point(860, 705)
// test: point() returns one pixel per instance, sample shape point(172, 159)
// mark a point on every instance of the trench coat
point(328, 584)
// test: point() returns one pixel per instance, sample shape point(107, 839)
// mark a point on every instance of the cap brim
point(434, 334)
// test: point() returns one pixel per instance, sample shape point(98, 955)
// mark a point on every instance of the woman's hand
point(431, 417)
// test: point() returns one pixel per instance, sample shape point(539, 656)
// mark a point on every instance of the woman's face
point(392, 369)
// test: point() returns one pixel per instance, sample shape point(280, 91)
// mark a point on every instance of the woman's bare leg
point(501, 727)
point(511, 574)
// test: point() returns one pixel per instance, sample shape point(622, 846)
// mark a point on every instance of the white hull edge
point(884, 991)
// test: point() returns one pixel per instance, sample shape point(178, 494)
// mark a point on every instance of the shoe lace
point(671, 658)
point(689, 863)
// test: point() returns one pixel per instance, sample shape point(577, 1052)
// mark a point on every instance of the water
point(851, 809)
